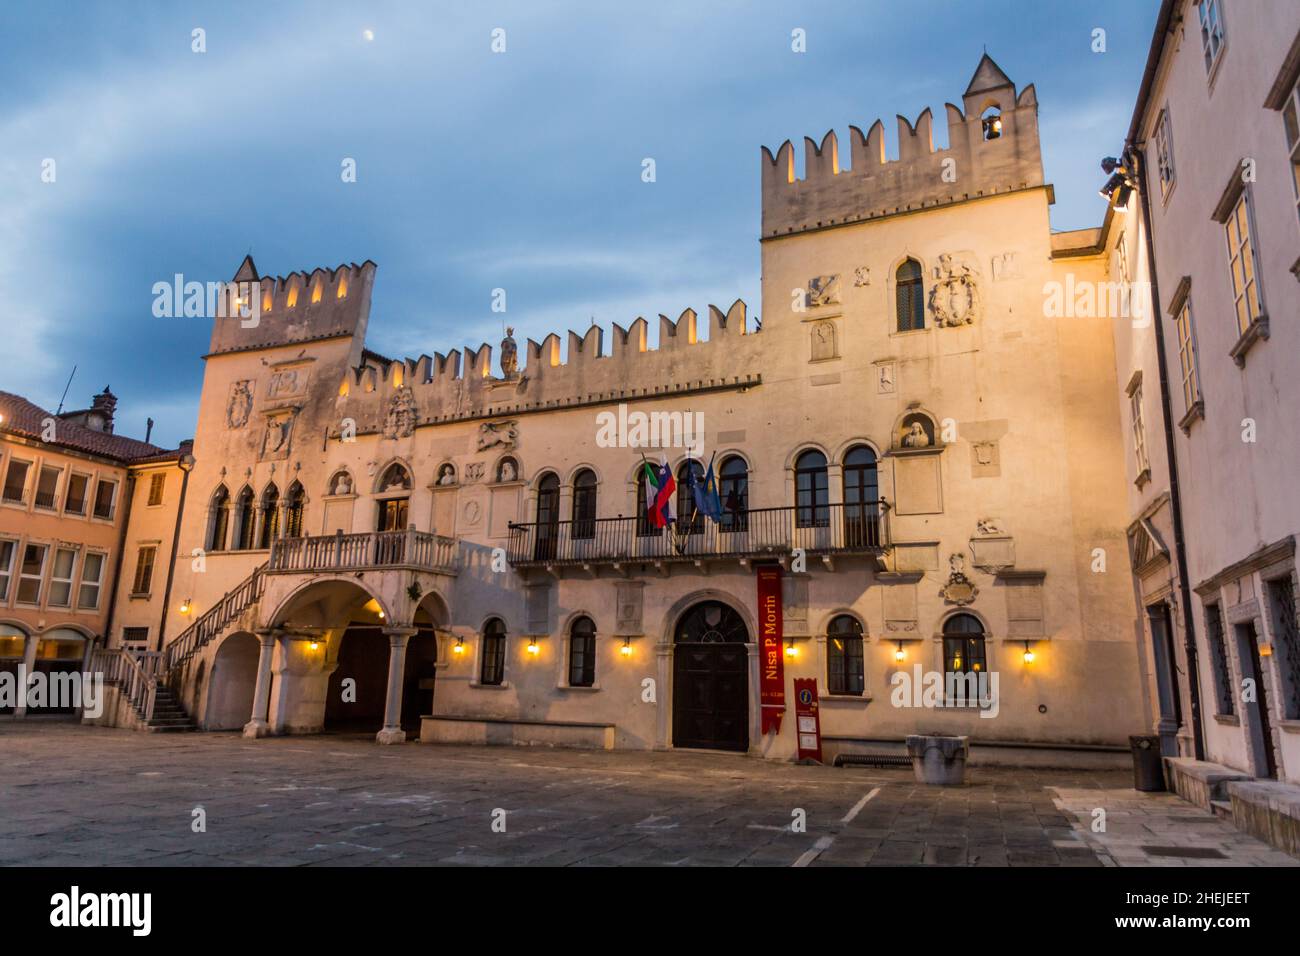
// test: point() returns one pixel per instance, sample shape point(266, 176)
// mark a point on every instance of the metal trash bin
point(1148, 765)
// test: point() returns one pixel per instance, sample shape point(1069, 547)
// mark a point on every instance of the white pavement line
point(817, 850)
point(857, 807)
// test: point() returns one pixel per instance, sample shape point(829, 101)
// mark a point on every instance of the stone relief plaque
point(494, 434)
point(824, 345)
point(960, 589)
point(823, 290)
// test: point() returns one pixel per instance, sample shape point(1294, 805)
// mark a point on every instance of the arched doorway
point(234, 679)
point(421, 669)
point(711, 678)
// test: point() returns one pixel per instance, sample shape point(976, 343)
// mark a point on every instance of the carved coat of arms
point(823, 290)
point(954, 299)
point(399, 422)
point(240, 404)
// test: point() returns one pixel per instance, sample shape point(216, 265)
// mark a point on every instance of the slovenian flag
point(660, 486)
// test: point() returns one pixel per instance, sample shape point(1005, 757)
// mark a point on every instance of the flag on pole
point(707, 500)
point(660, 486)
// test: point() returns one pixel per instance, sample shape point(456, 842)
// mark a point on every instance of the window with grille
point(1164, 153)
point(844, 670)
point(92, 576)
point(1219, 660)
point(135, 635)
point(156, 485)
point(909, 302)
point(582, 653)
point(1243, 263)
point(1187, 355)
point(31, 574)
point(144, 570)
point(1139, 432)
point(1212, 36)
point(47, 487)
point(16, 480)
point(1291, 124)
point(105, 498)
point(492, 667)
point(1286, 636)
point(8, 550)
point(74, 501)
point(65, 562)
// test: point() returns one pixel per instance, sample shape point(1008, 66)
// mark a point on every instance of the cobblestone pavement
point(72, 795)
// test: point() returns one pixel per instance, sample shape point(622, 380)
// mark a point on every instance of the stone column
point(257, 725)
point(392, 732)
point(27, 669)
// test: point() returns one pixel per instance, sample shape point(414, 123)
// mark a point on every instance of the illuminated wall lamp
point(790, 650)
point(626, 649)
point(1029, 654)
point(900, 655)
point(532, 646)
point(459, 647)
point(186, 606)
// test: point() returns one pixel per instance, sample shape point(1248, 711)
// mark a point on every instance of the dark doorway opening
point(711, 679)
point(363, 659)
point(1261, 727)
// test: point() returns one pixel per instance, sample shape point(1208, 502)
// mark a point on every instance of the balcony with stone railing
point(415, 550)
point(824, 530)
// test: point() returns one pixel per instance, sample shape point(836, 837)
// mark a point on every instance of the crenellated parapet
point(460, 385)
point(298, 307)
point(993, 147)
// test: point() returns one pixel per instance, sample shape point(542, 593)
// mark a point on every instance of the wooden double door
point(711, 679)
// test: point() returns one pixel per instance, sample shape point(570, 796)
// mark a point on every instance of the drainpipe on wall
point(117, 562)
point(186, 465)
point(1175, 494)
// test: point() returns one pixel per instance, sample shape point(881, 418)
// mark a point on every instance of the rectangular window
point(1164, 153)
point(16, 480)
point(8, 549)
point(135, 635)
point(1187, 355)
point(1242, 264)
point(47, 487)
point(92, 575)
point(105, 498)
point(65, 562)
point(31, 574)
point(1286, 638)
point(156, 485)
point(1139, 432)
point(1291, 123)
point(1211, 32)
point(74, 502)
point(144, 570)
point(1219, 660)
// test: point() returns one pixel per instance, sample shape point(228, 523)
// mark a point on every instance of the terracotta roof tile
point(22, 417)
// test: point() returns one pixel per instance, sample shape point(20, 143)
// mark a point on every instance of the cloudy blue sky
point(475, 170)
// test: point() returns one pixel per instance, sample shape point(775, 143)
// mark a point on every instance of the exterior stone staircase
point(147, 681)
point(168, 715)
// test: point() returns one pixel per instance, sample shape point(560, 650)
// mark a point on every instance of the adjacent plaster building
point(1209, 383)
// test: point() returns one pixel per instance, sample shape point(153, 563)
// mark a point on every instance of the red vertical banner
point(771, 665)
point(808, 722)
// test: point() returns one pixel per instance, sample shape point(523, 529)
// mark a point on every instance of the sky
point(475, 169)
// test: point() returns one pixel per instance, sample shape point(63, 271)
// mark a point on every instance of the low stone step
point(1222, 808)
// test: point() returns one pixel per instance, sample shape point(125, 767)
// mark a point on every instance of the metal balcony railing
point(371, 549)
point(861, 528)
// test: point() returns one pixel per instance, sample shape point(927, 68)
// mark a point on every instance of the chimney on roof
point(148, 429)
point(102, 407)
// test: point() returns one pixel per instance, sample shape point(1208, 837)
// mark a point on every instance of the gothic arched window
point(582, 653)
point(733, 490)
point(270, 526)
point(812, 496)
point(220, 519)
point(910, 296)
point(584, 505)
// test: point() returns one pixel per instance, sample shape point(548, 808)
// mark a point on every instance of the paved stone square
point(73, 795)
